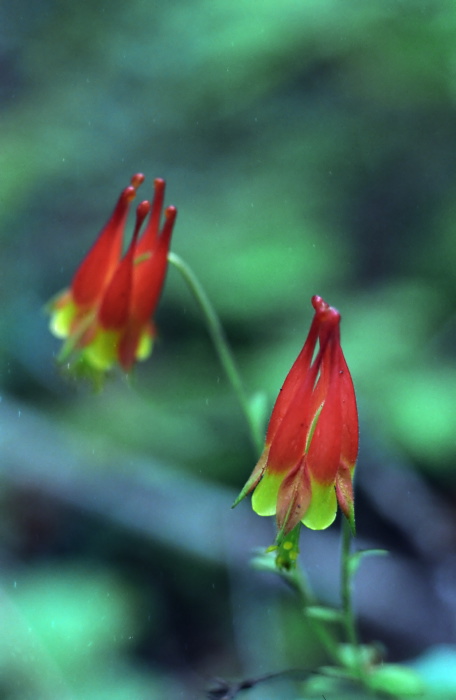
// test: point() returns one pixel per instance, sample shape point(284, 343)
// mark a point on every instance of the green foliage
point(63, 628)
point(424, 420)
point(79, 616)
point(396, 681)
point(356, 559)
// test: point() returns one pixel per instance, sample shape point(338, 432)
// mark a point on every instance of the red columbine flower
point(106, 314)
point(308, 461)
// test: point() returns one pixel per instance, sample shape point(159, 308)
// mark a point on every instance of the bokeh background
point(309, 146)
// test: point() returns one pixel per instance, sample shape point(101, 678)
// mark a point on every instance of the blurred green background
point(309, 146)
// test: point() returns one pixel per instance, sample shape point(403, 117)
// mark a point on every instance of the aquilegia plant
point(306, 466)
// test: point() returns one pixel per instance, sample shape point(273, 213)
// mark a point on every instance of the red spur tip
point(137, 180)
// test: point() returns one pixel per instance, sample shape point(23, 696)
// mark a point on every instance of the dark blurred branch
point(228, 690)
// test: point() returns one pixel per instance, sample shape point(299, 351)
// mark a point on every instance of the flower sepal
point(345, 497)
point(254, 478)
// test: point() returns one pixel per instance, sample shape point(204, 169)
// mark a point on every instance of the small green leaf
point(338, 672)
point(265, 560)
point(356, 558)
point(356, 656)
point(395, 680)
point(319, 612)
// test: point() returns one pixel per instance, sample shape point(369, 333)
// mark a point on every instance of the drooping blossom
point(311, 447)
point(106, 315)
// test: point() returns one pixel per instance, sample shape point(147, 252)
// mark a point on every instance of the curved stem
point(221, 346)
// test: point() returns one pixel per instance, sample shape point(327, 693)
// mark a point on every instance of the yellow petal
point(264, 499)
point(145, 346)
point(323, 507)
point(101, 353)
point(62, 319)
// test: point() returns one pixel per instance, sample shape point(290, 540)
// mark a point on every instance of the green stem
point(288, 567)
point(295, 577)
point(221, 346)
point(346, 595)
point(319, 628)
point(346, 585)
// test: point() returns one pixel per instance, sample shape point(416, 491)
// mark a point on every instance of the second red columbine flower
point(308, 461)
point(105, 316)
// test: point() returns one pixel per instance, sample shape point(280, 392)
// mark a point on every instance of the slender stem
point(326, 639)
point(287, 565)
point(346, 585)
point(297, 579)
point(221, 346)
point(319, 628)
point(347, 601)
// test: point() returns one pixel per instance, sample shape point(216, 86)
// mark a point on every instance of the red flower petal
point(294, 379)
point(323, 455)
point(149, 274)
point(115, 307)
point(97, 267)
point(289, 441)
point(146, 243)
point(350, 428)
